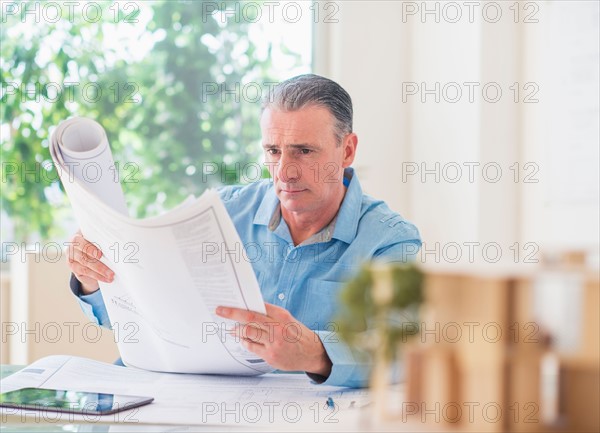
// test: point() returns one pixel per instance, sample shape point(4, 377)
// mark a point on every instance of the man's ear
point(349, 144)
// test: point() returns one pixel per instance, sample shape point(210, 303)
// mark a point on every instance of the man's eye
point(272, 151)
point(305, 151)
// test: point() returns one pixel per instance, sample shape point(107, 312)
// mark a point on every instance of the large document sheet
point(279, 401)
point(171, 271)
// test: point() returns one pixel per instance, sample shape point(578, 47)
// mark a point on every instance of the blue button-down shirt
point(305, 279)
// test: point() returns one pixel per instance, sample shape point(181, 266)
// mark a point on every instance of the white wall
point(366, 53)
point(43, 317)
point(375, 47)
point(562, 130)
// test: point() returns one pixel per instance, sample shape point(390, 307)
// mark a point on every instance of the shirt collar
point(347, 218)
point(344, 224)
point(268, 205)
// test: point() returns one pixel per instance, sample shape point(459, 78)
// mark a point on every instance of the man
point(315, 226)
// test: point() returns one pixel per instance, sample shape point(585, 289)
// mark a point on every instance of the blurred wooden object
point(580, 371)
point(483, 351)
point(580, 396)
point(590, 349)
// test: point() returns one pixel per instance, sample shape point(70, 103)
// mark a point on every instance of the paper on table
point(171, 271)
point(272, 399)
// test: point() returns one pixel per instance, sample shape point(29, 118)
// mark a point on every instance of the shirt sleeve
point(401, 252)
point(347, 369)
point(92, 305)
point(350, 367)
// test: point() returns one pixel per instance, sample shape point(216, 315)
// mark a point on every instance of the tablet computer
point(75, 402)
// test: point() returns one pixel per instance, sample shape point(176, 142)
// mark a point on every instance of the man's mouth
point(292, 190)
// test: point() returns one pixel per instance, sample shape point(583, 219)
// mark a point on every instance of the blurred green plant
point(166, 130)
point(380, 306)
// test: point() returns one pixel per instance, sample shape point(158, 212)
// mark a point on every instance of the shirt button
point(281, 296)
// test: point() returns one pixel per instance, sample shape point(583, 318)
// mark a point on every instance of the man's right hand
point(84, 262)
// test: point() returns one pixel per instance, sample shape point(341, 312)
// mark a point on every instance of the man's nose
point(289, 171)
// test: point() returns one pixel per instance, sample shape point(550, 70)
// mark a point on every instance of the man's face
point(304, 160)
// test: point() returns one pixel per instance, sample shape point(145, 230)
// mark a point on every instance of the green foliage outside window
point(165, 114)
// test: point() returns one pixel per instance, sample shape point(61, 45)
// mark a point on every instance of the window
point(175, 84)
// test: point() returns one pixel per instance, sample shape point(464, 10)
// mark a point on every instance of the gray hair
point(310, 89)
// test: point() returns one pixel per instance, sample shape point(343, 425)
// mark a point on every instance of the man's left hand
point(279, 339)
